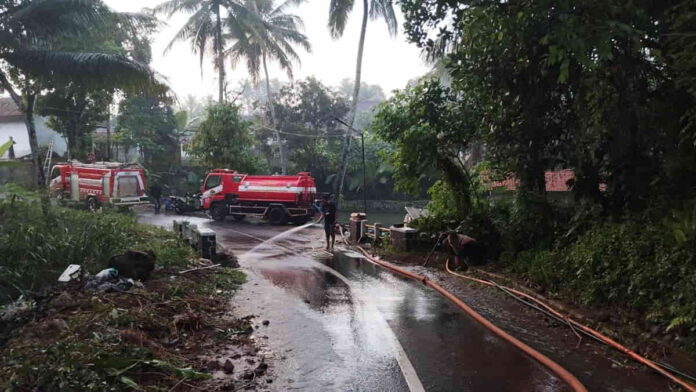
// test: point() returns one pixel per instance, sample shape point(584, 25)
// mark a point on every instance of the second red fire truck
point(280, 199)
point(97, 184)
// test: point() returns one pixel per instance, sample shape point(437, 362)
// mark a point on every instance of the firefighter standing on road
point(328, 215)
point(156, 195)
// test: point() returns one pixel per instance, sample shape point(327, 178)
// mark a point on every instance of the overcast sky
point(389, 62)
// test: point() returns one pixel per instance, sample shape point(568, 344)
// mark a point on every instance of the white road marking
point(407, 369)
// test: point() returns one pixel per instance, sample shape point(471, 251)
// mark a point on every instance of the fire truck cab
point(280, 199)
point(97, 184)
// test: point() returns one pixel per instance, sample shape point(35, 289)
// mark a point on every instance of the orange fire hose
point(571, 380)
point(562, 373)
point(607, 340)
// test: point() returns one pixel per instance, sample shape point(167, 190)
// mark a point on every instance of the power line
point(302, 134)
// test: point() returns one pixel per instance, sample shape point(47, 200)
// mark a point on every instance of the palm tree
point(339, 10)
point(30, 32)
point(269, 34)
point(204, 28)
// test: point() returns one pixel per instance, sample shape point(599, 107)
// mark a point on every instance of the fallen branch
point(198, 269)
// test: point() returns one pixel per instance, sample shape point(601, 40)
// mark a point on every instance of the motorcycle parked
point(188, 203)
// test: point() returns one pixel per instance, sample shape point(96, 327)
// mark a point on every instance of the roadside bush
point(36, 247)
point(483, 222)
point(640, 266)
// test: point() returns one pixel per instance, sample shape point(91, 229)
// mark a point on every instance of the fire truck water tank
point(74, 186)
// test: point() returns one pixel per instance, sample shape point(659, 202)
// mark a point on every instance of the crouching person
point(463, 249)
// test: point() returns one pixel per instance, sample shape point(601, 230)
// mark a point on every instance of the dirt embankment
point(175, 333)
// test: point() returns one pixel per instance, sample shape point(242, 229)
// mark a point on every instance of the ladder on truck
point(47, 162)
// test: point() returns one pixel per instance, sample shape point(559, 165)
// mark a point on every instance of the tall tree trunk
point(354, 104)
point(281, 147)
point(27, 108)
point(108, 134)
point(220, 61)
point(30, 102)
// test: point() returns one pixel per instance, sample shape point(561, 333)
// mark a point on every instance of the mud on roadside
point(176, 333)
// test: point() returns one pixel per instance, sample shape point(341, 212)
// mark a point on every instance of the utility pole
point(362, 140)
point(108, 134)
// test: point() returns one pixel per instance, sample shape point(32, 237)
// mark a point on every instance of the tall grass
point(36, 247)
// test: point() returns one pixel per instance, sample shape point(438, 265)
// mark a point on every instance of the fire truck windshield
point(212, 182)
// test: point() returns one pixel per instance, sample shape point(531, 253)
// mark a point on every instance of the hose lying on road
point(543, 307)
point(562, 373)
point(585, 329)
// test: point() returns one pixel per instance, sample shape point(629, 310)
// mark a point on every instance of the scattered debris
point(134, 264)
point(151, 338)
point(106, 274)
point(71, 273)
point(109, 284)
point(226, 260)
point(17, 309)
point(199, 268)
point(261, 369)
point(228, 367)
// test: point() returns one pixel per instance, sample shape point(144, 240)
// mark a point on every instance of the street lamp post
point(362, 140)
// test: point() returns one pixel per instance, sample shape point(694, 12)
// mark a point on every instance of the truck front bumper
point(130, 201)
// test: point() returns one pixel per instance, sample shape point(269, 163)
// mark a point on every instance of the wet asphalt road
point(339, 323)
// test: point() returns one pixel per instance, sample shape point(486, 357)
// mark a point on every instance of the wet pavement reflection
point(340, 323)
point(348, 299)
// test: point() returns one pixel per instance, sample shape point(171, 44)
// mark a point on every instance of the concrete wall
point(18, 131)
point(19, 174)
point(381, 205)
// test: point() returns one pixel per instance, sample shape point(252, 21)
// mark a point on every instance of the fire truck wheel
point(238, 217)
point(218, 212)
point(92, 204)
point(277, 216)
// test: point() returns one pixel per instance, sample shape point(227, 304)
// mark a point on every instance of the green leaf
point(679, 236)
point(129, 382)
point(4, 148)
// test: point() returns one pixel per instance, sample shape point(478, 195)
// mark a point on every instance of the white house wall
point(18, 131)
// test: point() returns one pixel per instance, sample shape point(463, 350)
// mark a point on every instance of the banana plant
point(4, 148)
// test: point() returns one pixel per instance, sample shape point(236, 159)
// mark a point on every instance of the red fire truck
point(100, 183)
point(280, 199)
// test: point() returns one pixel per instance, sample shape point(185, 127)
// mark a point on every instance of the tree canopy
point(224, 140)
point(597, 87)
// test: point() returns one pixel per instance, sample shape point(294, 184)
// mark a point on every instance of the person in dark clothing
point(328, 215)
point(156, 195)
point(461, 246)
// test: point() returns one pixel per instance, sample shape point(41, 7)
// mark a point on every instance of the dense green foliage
point(75, 109)
point(223, 140)
point(429, 130)
point(306, 114)
point(640, 265)
point(36, 247)
point(604, 88)
point(148, 124)
point(553, 85)
point(38, 56)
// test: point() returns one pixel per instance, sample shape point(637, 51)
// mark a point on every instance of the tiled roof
point(8, 108)
point(556, 181)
